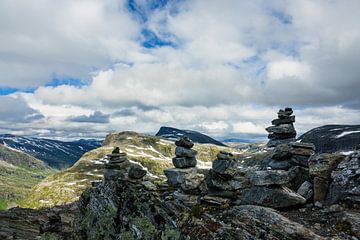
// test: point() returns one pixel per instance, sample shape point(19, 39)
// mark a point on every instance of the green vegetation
point(19, 172)
point(151, 152)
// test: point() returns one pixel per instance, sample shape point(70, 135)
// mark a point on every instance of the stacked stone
point(117, 166)
point(283, 130)
point(293, 154)
point(185, 176)
point(249, 185)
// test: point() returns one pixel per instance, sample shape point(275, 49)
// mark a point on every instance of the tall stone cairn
point(282, 129)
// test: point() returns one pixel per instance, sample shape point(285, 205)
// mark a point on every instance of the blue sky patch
point(7, 91)
point(66, 81)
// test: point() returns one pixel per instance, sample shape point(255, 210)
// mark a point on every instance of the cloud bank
point(220, 68)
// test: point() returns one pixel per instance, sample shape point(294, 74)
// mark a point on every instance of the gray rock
point(275, 142)
point(303, 145)
point(285, 113)
point(279, 121)
point(149, 186)
point(185, 152)
point(177, 176)
point(136, 172)
point(321, 165)
point(281, 129)
point(216, 200)
point(187, 199)
point(222, 155)
point(274, 197)
point(269, 177)
point(320, 189)
point(345, 185)
point(280, 165)
point(302, 151)
point(300, 160)
point(184, 162)
point(229, 184)
point(192, 182)
point(281, 152)
point(220, 166)
point(306, 190)
point(184, 142)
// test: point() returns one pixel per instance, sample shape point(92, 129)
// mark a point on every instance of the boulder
point(300, 160)
point(136, 172)
point(281, 152)
point(345, 185)
point(269, 177)
point(176, 176)
point(185, 152)
point(256, 218)
point(184, 142)
point(221, 183)
point(306, 190)
point(274, 197)
point(184, 162)
point(321, 165)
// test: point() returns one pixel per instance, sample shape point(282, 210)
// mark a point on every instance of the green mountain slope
point(152, 152)
point(19, 172)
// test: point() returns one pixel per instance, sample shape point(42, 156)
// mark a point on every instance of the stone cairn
point(283, 130)
point(185, 175)
point(119, 167)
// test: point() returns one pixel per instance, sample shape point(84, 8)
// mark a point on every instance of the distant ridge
point(55, 153)
point(174, 133)
point(332, 138)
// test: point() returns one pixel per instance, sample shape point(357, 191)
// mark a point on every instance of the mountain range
point(55, 153)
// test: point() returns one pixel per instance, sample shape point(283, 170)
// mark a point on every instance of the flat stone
point(279, 121)
point(283, 128)
point(274, 197)
point(188, 200)
point(275, 142)
point(306, 190)
point(302, 145)
point(222, 155)
point(149, 186)
point(176, 176)
point(302, 151)
point(184, 162)
point(184, 142)
point(280, 136)
point(136, 173)
point(280, 165)
point(216, 200)
point(185, 152)
point(269, 177)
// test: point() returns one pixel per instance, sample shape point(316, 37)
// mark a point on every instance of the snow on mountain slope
point(55, 153)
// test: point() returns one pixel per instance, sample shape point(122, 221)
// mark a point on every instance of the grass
point(3, 204)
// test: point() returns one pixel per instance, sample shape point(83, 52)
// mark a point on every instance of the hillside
point(152, 152)
point(19, 172)
point(332, 138)
point(55, 153)
point(197, 137)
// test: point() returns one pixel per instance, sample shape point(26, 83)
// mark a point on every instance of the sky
point(81, 69)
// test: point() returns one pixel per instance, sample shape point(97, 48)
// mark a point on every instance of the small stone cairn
point(283, 130)
point(118, 166)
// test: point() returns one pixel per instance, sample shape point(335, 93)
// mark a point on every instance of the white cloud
point(233, 65)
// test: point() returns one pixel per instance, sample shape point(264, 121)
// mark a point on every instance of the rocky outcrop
point(345, 185)
point(283, 130)
point(320, 168)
